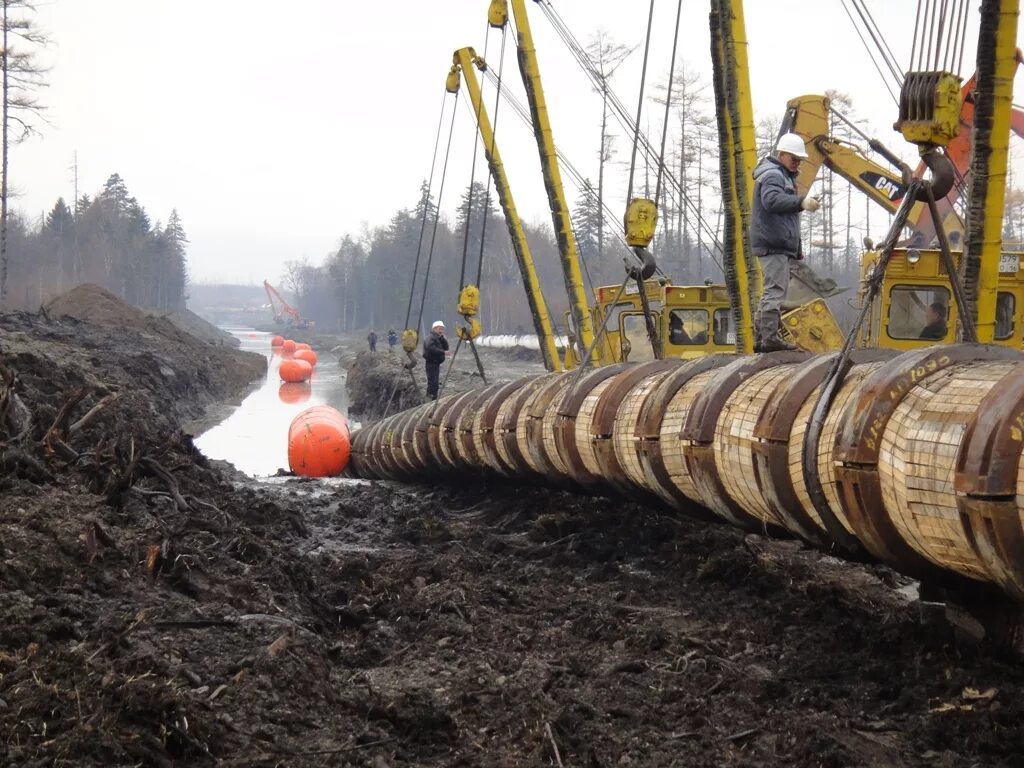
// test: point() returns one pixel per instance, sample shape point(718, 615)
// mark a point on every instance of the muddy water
point(253, 436)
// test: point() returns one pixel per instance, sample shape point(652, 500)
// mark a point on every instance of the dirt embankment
point(158, 610)
point(376, 379)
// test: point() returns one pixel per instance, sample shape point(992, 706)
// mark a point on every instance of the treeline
point(367, 282)
point(109, 240)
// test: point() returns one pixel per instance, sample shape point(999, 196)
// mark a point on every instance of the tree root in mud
point(112, 469)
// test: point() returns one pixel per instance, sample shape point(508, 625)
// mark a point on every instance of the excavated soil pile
point(378, 382)
point(159, 610)
point(189, 321)
point(91, 303)
point(371, 377)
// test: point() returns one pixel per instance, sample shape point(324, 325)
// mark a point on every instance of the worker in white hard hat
point(775, 234)
point(434, 348)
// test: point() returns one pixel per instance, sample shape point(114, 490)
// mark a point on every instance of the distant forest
point(109, 240)
point(367, 282)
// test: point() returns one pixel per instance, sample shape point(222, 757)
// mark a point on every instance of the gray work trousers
point(775, 282)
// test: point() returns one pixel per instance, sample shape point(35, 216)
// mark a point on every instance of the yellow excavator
point(916, 288)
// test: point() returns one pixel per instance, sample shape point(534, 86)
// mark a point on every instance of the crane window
point(724, 334)
point(637, 344)
point(917, 312)
point(1006, 309)
point(688, 327)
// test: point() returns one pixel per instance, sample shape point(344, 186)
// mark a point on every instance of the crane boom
point(734, 112)
point(463, 63)
point(997, 62)
point(568, 249)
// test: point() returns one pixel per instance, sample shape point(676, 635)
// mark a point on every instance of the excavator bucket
point(813, 328)
point(805, 285)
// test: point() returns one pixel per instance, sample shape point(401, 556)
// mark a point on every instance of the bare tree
point(689, 105)
point(606, 56)
point(23, 77)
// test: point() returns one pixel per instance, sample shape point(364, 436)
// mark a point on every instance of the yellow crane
point(464, 60)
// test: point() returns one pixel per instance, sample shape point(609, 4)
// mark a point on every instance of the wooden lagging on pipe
point(919, 456)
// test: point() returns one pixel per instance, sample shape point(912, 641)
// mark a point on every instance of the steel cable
point(640, 100)
point(437, 215)
point(426, 210)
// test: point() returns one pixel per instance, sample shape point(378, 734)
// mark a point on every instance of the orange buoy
point(277, 341)
point(288, 345)
point(318, 442)
point(301, 345)
point(294, 393)
point(295, 370)
point(306, 354)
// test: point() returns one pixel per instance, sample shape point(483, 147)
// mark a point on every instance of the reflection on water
point(255, 436)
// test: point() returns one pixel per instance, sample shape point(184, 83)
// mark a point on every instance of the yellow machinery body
point(915, 279)
point(694, 320)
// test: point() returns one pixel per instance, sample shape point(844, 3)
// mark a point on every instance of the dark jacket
point(434, 347)
point(936, 330)
point(775, 216)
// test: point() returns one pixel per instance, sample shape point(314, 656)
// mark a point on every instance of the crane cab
point(625, 339)
point(907, 314)
point(696, 321)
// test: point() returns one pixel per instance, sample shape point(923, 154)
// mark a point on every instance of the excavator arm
point(276, 299)
point(809, 117)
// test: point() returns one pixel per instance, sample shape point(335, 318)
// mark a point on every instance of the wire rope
point(437, 215)
point(494, 134)
point(426, 210)
point(625, 120)
point(871, 54)
point(640, 99)
point(472, 178)
point(668, 103)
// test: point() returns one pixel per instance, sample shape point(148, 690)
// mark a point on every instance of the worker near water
point(371, 339)
point(775, 234)
point(935, 316)
point(434, 348)
point(392, 339)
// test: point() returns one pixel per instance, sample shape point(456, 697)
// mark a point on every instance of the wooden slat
point(672, 446)
point(826, 466)
point(584, 427)
point(734, 439)
point(917, 462)
point(624, 439)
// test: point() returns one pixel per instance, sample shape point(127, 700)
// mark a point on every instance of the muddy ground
point(156, 609)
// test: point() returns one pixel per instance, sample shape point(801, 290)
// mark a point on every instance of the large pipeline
point(919, 457)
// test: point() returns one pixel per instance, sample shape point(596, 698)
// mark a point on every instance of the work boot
point(769, 334)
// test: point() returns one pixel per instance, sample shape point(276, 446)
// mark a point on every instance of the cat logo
point(893, 190)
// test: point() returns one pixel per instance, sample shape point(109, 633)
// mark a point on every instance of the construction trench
point(161, 608)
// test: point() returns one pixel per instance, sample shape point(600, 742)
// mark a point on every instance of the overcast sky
point(275, 128)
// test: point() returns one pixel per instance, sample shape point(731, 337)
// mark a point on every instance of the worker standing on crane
point(434, 348)
point(775, 234)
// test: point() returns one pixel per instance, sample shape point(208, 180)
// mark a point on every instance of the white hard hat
point(437, 324)
point(791, 144)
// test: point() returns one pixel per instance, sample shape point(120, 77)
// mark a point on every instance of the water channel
point(254, 435)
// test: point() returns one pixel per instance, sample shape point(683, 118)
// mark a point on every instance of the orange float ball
point(288, 345)
point(295, 370)
point(318, 442)
point(306, 354)
point(301, 345)
point(277, 341)
point(294, 393)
